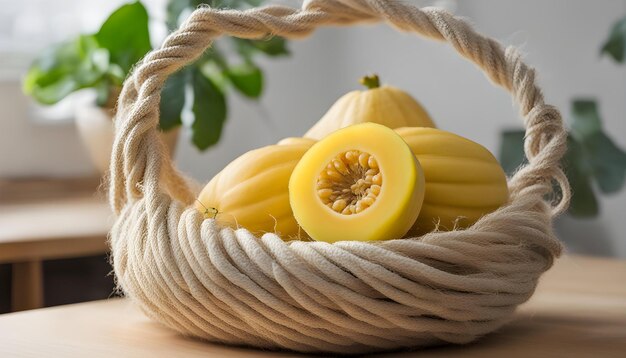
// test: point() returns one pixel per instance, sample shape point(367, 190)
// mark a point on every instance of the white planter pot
point(96, 131)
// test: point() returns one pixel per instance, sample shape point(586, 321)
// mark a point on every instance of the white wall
point(561, 39)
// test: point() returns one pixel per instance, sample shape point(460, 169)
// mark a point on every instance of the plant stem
point(370, 82)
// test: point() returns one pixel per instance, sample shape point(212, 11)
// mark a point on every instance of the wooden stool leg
point(27, 286)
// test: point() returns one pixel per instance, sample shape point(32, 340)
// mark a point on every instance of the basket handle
point(139, 164)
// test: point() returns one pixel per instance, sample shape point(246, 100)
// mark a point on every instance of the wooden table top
point(579, 310)
point(53, 228)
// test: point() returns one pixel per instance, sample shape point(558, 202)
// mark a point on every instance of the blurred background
point(49, 156)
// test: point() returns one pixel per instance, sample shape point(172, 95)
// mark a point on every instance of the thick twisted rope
point(230, 286)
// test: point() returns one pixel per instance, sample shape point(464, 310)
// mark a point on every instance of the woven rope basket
point(229, 286)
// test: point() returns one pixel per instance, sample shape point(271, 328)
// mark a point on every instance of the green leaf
point(87, 73)
point(247, 79)
point(616, 43)
point(86, 45)
point(54, 67)
point(125, 34)
point(608, 162)
point(56, 91)
point(212, 70)
point(512, 150)
point(65, 68)
point(273, 47)
point(61, 70)
point(600, 157)
point(209, 109)
point(585, 119)
point(583, 202)
point(214, 65)
point(173, 100)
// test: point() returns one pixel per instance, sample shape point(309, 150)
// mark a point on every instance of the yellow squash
point(463, 179)
point(252, 191)
point(384, 105)
point(359, 183)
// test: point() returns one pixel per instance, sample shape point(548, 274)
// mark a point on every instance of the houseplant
point(101, 61)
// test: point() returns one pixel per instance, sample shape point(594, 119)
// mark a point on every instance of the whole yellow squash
point(253, 191)
point(464, 181)
point(384, 105)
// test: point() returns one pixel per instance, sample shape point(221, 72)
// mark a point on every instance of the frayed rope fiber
point(229, 286)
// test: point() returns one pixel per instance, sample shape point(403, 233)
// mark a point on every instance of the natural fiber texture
point(232, 287)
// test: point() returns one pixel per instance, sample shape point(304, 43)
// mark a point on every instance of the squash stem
point(370, 82)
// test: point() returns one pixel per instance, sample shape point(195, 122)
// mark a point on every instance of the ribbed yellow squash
point(463, 179)
point(253, 191)
point(384, 105)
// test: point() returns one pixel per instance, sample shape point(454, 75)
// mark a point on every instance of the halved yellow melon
point(359, 183)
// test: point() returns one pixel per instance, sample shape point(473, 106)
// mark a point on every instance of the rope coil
point(348, 297)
